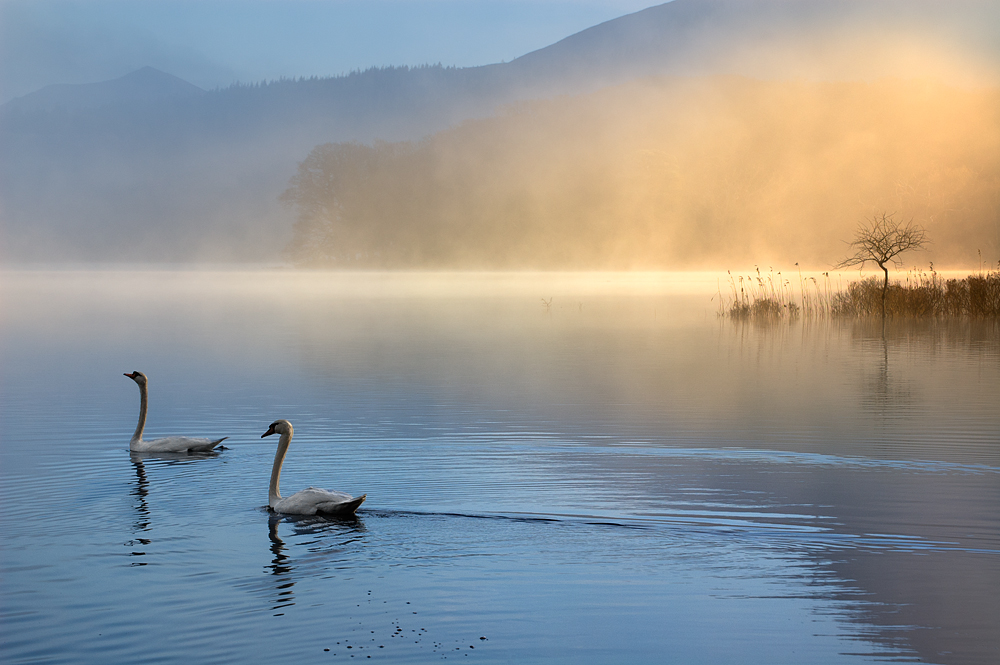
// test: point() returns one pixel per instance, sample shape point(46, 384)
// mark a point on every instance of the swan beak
point(269, 432)
point(131, 376)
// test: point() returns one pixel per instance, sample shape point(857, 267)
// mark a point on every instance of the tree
point(881, 240)
point(353, 201)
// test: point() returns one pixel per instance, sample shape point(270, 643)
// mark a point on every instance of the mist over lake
point(576, 467)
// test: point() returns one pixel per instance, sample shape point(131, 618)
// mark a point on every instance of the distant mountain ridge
point(679, 38)
point(187, 173)
point(752, 38)
point(142, 86)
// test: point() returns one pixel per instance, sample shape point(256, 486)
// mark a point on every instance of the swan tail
point(341, 508)
point(208, 446)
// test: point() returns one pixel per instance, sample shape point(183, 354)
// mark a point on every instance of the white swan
point(309, 501)
point(171, 444)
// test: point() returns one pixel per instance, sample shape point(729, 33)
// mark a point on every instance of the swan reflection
point(280, 567)
point(327, 539)
point(142, 524)
point(170, 459)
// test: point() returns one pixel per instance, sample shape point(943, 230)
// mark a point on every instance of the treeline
point(370, 72)
point(665, 173)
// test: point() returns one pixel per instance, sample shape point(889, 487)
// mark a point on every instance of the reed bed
point(759, 297)
point(771, 296)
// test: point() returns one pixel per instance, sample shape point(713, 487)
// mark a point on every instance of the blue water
point(615, 476)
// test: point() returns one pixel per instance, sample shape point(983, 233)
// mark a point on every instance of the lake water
point(559, 468)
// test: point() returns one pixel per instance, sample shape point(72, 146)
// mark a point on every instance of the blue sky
point(217, 42)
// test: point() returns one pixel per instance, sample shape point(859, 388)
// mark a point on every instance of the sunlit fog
point(695, 134)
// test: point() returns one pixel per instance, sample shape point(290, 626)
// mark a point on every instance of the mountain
point(778, 39)
point(149, 167)
point(143, 86)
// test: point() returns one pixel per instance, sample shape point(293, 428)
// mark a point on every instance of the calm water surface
point(612, 475)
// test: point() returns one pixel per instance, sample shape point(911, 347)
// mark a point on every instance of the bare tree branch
point(881, 240)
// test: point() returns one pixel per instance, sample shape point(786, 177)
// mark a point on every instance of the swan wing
point(313, 500)
point(176, 444)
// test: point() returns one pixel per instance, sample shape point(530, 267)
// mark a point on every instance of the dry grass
point(921, 294)
point(760, 297)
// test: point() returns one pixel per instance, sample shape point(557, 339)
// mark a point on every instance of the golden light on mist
point(671, 173)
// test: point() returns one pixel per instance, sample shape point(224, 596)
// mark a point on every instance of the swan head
point(138, 377)
point(278, 427)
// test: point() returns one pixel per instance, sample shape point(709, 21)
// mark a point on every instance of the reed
point(920, 294)
point(760, 297)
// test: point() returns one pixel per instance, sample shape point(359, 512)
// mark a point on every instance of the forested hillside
point(664, 173)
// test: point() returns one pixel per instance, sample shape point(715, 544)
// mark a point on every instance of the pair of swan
point(310, 501)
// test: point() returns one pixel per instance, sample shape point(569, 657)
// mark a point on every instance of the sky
point(214, 43)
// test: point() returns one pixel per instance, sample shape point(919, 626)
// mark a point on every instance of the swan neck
point(142, 413)
point(273, 493)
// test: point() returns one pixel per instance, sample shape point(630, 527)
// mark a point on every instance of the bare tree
point(881, 240)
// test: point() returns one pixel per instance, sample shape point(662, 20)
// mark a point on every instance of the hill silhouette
point(139, 87)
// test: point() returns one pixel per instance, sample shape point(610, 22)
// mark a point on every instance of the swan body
point(310, 501)
point(170, 444)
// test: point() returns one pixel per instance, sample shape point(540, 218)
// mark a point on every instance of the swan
point(309, 501)
point(171, 444)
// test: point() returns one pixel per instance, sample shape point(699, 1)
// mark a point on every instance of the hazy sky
point(216, 42)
